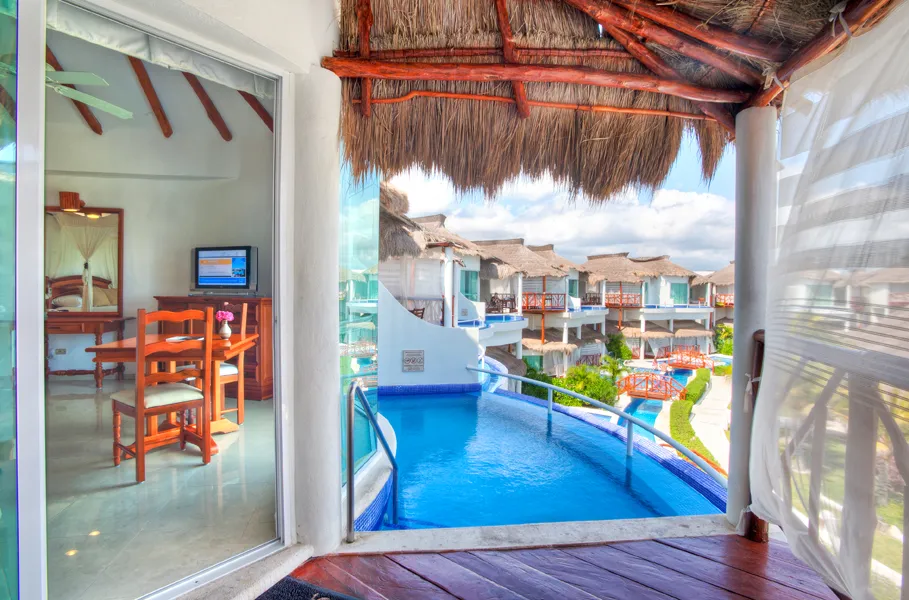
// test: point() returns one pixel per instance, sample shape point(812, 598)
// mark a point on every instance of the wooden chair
point(159, 393)
point(418, 312)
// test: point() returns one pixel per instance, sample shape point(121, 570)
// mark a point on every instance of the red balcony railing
point(724, 300)
point(616, 300)
point(592, 300)
point(544, 302)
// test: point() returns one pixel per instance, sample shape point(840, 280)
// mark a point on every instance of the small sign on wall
point(412, 362)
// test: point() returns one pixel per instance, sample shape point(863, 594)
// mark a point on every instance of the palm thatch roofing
point(595, 94)
point(548, 252)
point(518, 256)
point(897, 275)
point(656, 266)
point(725, 276)
point(653, 331)
point(437, 234)
point(553, 340)
point(399, 236)
point(515, 365)
point(690, 329)
point(620, 268)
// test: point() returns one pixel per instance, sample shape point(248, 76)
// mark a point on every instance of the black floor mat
point(294, 589)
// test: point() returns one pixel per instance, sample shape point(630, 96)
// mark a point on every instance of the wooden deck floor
point(728, 567)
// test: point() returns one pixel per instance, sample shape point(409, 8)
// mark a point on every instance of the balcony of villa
point(724, 301)
point(544, 302)
point(622, 300)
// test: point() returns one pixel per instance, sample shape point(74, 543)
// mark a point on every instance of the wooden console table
point(258, 374)
point(81, 324)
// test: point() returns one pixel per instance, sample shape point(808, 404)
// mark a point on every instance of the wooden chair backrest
point(238, 310)
point(144, 350)
point(418, 312)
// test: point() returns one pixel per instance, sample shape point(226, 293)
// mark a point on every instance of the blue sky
point(687, 218)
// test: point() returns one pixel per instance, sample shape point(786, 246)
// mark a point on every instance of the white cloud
point(695, 229)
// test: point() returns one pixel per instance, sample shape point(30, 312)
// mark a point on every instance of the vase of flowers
point(224, 317)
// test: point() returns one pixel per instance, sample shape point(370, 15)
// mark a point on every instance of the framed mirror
point(83, 260)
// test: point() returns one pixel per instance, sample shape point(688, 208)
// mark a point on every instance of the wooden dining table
point(124, 351)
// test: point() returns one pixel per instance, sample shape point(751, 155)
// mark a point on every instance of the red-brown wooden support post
point(508, 50)
point(210, 109)
point(364, 22)
point(260, 110)
point(151, 95)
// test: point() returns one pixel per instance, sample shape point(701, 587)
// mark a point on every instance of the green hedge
point(581, 379)
point(680, 415)
point(722, 370)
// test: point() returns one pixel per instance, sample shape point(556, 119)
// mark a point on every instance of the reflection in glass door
point(8, 512)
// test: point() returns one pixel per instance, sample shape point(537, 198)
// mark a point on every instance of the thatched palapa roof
point(690, 329)
point(515, 365)
point(614, 268)
point(548, 252)
point(595, 94)
point(656, 266)
point(553, 340)
point(437, 234)
point(518, 256)
point(725, 276)
point(399, 236)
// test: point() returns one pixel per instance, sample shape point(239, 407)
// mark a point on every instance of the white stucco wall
point(446, 350)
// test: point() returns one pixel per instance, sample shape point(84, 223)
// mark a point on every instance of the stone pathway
point(711, 418)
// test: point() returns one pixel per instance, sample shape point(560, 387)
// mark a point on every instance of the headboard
point(70, 285)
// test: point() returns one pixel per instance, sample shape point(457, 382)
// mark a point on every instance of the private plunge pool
point(498, 459)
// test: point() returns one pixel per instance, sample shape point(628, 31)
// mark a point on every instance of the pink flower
point(224, 315)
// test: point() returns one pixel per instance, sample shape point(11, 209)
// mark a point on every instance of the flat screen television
point(229, 269)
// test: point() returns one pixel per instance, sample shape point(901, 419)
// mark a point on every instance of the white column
point(603, 292)
point(672, 325)
point(755, 203)
point(643, 324)
point(519, 295)
point(456, 293)
point(314, 427)
point(447, 287)
point(579, 332)
point(643, 342)
point(519, 354)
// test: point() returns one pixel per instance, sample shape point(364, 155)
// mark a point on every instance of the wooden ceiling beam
point(259, 109)
point(87, 115)
point(151, 95)
point(561, 105)
point(521, 53)
point(210, 109)
point(656, 64)
point(401, 71)
point(364, 22)
point(856, 14)
point(7, 102)
point(609, 15)
point(508, 50)
point(716, 36)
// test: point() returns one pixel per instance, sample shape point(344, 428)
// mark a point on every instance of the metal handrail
point(630, 422)
point(356, 392)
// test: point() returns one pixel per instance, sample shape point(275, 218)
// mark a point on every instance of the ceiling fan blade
point(74, 78)
point(92, 101)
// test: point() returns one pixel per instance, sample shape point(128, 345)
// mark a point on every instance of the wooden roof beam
point(364, 22)
point(210, 109)
point(151, 95)
point(87, 115)
point(408, 71)
point(714, 35)
point(522, 53)
point(609, 15)
point(856, 14)
point(508, 50)
point(656, 64)
point(259, 109)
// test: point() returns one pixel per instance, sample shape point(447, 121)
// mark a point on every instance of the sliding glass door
point(8, 500)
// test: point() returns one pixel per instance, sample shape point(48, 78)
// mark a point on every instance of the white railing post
point(549, 396)
point(629, 442)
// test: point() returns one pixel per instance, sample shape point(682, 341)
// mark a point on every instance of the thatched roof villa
point(514, 253)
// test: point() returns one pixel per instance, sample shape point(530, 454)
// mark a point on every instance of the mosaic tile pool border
point(441, 388)
point(371, 518)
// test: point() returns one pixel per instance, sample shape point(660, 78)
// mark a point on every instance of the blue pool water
point(645, 410)
point(468, 460)
point(680, 375)
point(721, 360)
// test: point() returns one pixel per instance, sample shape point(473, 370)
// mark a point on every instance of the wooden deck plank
point(671, 583)
point(389, 578)
point(718, 574)
point(756, 559)
point(516, 576)
point(323, 574)
point(595, 581)
point(453, 578)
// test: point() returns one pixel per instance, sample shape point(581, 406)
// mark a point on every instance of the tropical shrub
point(617, 347)
point(722, 370)
point(722, 339)
point(613, 366)
point(680, 415)
point(581, 379)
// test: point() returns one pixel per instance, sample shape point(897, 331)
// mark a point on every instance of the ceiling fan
point(59, 80)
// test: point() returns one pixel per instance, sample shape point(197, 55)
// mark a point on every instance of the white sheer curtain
point(829, 452)
point(88, 236)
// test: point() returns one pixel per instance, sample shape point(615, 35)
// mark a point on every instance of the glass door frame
point(29, 349)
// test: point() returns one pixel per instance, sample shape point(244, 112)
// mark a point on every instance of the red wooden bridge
point(652, 386)
point(683, 357)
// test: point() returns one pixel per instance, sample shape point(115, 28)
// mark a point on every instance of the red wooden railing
point(725, 300)
point(617, 300)
point(545, 301)
point(690, 357)
point(652, 386)
point(592, 360)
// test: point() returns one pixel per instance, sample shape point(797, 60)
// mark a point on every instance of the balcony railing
point(499, 304)
point(723, 300)
point(544, 302)
point(616, 300)
point(592, 300)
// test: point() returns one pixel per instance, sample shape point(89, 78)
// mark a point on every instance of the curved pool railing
point(630, 421)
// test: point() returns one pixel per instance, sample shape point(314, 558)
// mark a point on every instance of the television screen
point(223, 267)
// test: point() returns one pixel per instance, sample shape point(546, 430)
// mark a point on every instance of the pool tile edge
point(568, 533)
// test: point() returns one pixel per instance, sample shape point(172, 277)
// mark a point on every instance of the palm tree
point(613, 367)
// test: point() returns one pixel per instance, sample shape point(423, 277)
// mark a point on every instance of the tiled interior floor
point(131, 539)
